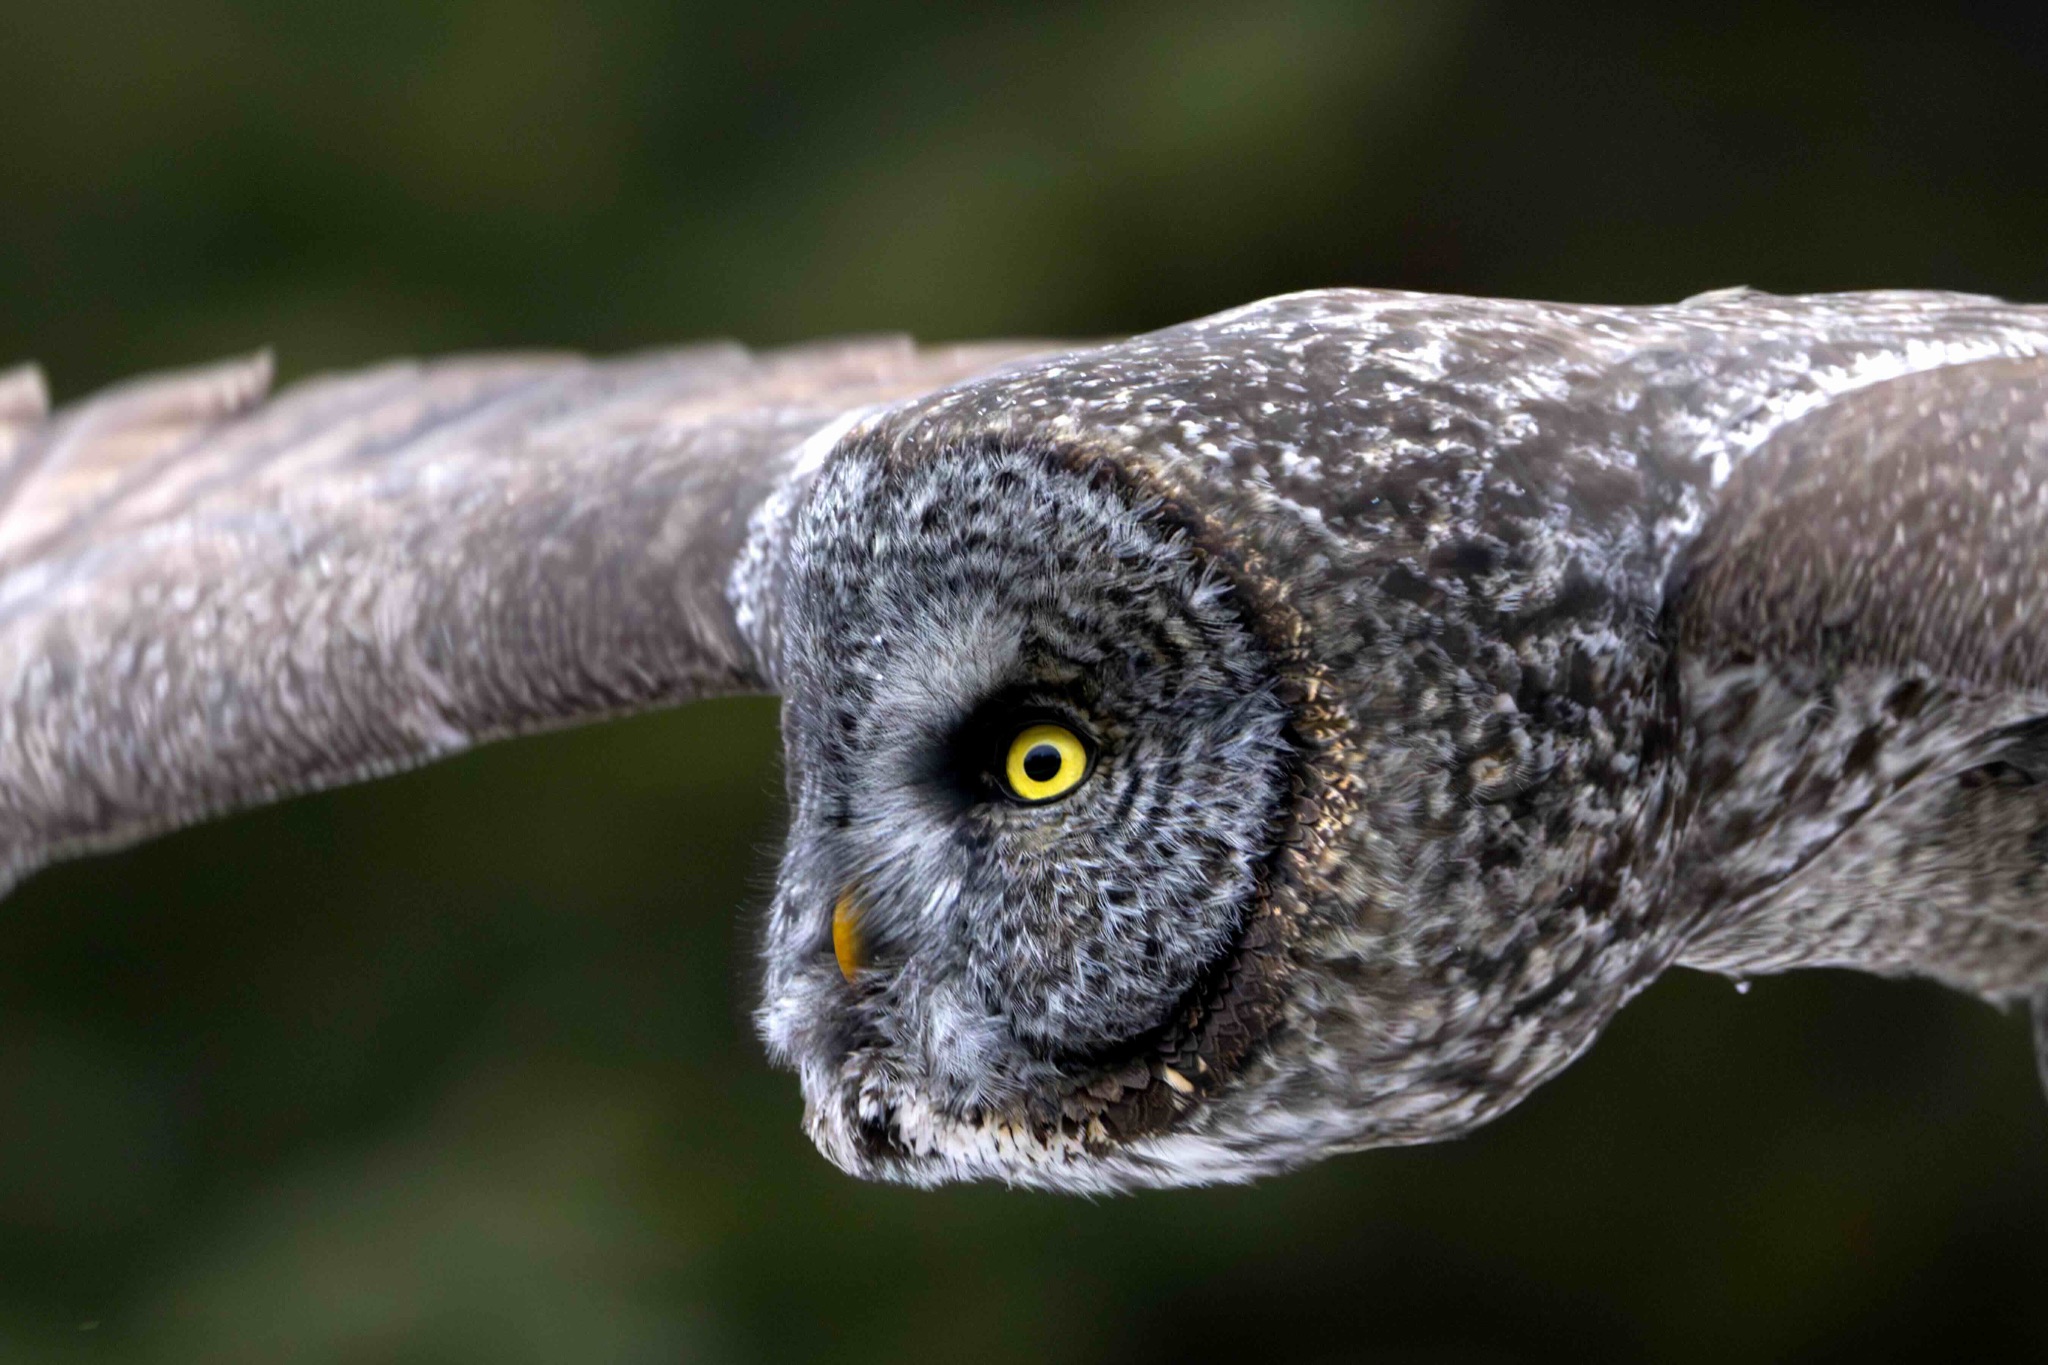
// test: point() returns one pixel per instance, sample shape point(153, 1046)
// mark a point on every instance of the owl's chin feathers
point(872, 1123)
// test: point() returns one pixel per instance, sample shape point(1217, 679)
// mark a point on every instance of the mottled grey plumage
point(1451, 668)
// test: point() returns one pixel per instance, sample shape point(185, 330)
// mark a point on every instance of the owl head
point(1041, 769)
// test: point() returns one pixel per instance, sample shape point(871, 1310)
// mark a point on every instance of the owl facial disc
point(1027, 720)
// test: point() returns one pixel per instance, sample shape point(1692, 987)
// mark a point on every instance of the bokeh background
point(457, 1067)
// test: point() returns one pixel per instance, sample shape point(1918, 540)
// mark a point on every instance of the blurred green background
point(457, 1067)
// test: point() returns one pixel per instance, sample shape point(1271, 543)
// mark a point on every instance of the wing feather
point(24, 402)
point(68, 461)
point(1901, 527)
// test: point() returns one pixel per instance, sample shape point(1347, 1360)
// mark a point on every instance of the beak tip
point(846, 945)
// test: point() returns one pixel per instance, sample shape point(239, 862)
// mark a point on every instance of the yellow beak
point(846, 944)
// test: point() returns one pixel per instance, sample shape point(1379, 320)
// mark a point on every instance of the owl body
point(1464, 542)
point(1294, 731)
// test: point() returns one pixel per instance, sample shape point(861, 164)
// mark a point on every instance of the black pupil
point(1042, 764)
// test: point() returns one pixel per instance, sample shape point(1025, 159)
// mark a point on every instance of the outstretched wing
point(1863, 625)
point(209, 600)
point(1903, 526)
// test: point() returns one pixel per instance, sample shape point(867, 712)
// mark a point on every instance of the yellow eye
point(1045, 761)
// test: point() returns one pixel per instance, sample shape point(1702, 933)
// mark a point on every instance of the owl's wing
point(1893, 543)
point(1902, 526)
point(209, 600)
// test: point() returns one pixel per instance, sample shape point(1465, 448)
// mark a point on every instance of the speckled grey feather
point(1452, 667)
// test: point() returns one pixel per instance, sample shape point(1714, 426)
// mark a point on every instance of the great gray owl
point(1294, 731)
